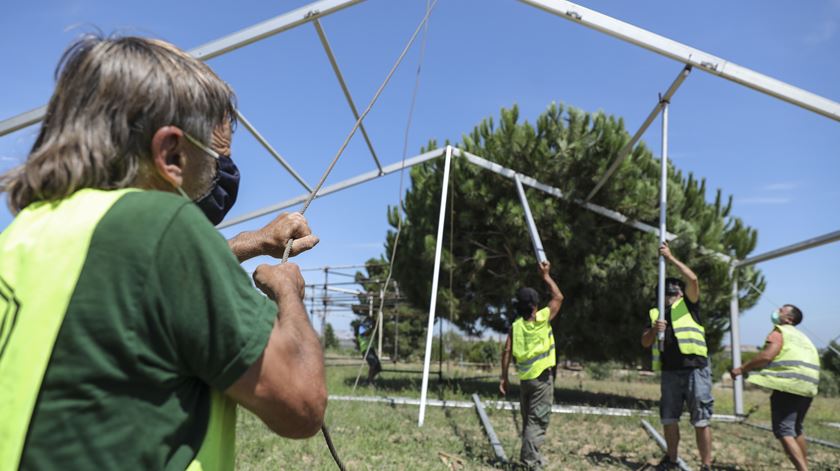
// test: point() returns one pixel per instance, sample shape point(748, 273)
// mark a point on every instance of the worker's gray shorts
point(692, 386)
point(788, 412)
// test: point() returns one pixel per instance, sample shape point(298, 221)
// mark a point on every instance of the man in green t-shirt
point(128, 330)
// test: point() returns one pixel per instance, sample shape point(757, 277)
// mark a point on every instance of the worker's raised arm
point(692, 285)
point(556, 296)
point(286, 387)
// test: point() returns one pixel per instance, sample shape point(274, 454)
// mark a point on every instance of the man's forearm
point(246, 245)
point(756, 363)
point(553, 288)
point(304, 342)
point(648, 338)
point(505, 364)
point(687, 274)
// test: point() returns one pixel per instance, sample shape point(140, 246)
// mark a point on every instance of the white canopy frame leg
point(539, 252)
point(735, 341)
point(435, 279)
point(663, 210)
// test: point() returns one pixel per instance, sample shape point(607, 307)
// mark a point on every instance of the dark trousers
point(535, 399)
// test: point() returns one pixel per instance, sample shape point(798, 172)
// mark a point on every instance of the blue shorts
point(692, 386)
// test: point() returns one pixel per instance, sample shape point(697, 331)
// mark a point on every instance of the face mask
point(774, 318)
point(221, 197)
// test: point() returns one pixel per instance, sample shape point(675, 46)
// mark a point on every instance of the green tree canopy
point(607, 270)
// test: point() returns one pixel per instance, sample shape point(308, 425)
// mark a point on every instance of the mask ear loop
point(182, 192)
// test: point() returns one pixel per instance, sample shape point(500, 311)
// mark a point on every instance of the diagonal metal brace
point(334, 63)
point(259, 137)
point(628, 148)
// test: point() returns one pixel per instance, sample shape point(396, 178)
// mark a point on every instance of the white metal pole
point(690, 56)
point(539, 252)
point(324, 314)
point(735, 342)
point(435, 278)
point(663, 207)
point(381, 325)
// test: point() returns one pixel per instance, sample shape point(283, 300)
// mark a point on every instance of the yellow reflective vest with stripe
point(42, 254)
point(533, 345)
point(691, 336)
point(795, 370)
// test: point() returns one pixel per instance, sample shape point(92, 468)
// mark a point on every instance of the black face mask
point(216, 203)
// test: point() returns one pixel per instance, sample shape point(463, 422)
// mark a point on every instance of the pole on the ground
point(488, 429)
point(435, 279)
point(661, 442)
point(663, 208)
point(539, 252)
point(735, 342)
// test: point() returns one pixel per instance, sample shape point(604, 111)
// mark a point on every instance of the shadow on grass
point(599, 459)
point(489, 389)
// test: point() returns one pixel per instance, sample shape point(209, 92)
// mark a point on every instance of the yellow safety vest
point(795, 370)
point(42, 253)
point(691, 336)
point(533, 345)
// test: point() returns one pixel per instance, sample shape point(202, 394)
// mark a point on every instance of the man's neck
point(533, 315)
point(670, 300)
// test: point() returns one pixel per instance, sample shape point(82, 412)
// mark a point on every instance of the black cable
point(330, 445)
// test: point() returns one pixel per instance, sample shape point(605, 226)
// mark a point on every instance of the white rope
point(376, 327)
point(358, 123)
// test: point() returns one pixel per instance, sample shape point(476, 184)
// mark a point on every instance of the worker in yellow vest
point(531, 342)
point(683, 361)
point(789, 364)
point(128, 330)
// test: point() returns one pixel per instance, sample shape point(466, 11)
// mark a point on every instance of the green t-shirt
point(161, 312)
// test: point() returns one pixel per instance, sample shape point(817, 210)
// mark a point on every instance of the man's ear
point(167, 157)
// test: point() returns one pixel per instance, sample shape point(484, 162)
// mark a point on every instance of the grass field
point(377, 436)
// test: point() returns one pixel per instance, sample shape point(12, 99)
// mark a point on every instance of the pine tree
point(607, 270)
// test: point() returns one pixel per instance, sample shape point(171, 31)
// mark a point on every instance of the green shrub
point(599, 371)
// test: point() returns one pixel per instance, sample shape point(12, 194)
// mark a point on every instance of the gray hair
point(111, 96)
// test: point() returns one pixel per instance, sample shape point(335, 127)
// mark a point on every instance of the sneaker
point(666, 464)
point(706, 467)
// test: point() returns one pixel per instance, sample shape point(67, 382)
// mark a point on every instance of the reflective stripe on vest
point(533, 345)
point(42, 253)
point(795, 370)
point(691, 336)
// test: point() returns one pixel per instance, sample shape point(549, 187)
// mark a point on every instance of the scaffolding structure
point(691, 58)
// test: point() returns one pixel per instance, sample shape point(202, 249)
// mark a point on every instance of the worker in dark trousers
point(363, 338)
point(531, 342)
point(789, 364)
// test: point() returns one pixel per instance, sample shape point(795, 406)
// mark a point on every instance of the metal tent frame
point(690, 57)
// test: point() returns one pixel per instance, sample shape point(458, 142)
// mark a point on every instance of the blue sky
point(780, 162)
